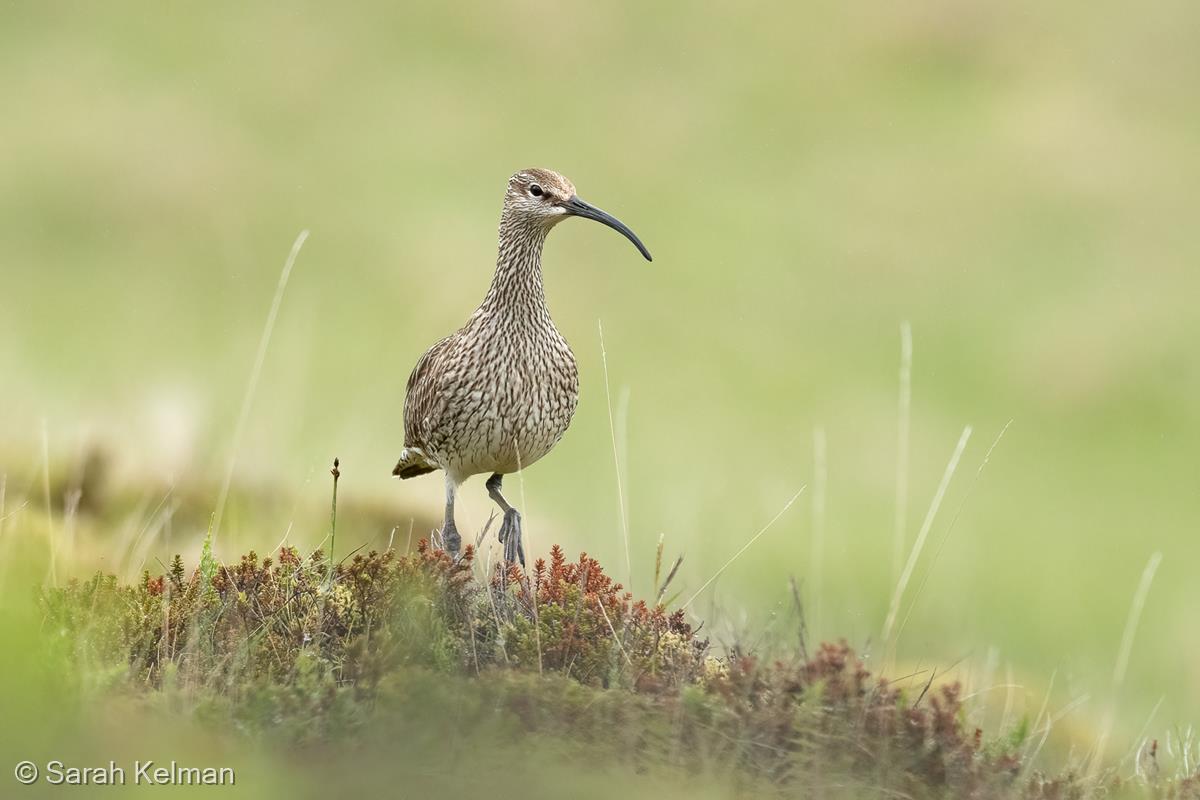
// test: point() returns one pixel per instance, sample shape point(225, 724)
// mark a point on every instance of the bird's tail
point(413, 462)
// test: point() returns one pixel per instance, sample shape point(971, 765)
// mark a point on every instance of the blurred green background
point(1019, 182)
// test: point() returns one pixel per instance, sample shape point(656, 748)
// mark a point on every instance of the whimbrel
point(498, 394)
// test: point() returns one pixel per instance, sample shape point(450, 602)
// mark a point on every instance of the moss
point(294, 650)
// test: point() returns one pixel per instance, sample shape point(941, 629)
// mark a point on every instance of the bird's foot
point(451, 541)
point(510, 537)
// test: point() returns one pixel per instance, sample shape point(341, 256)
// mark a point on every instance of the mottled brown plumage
point(497, 395)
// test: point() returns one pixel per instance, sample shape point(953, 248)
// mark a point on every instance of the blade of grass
point(746, 546)
point(1140, 739)
point(336, 472)
point(1121, 668)
point(900, 522)
point(52, 574)
point(612, 630)
point(537, 620)
point(817, 556)
point(612, 429)
point(919, 544)
point(662, 590)
point(252, 385)
point(950, 528)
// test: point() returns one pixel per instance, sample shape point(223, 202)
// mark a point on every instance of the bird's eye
point(535, 190)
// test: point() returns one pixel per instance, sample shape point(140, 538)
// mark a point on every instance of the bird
point(498, 394)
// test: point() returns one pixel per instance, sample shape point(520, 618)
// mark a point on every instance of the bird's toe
point(510, 536)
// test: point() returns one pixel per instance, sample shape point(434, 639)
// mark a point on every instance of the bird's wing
point(423, 399)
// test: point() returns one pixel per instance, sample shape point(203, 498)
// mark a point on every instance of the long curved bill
point(578, 208)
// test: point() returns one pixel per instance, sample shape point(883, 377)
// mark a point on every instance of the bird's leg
point(451, 541)
point(510, 529)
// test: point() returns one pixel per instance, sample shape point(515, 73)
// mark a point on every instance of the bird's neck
point(516, 288)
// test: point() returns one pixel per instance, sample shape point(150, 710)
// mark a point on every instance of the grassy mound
point(416, 647)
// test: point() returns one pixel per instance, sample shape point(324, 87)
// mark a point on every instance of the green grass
point(443, 660)
point(304, 674)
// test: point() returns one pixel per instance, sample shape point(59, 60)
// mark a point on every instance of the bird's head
point(544, 197)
